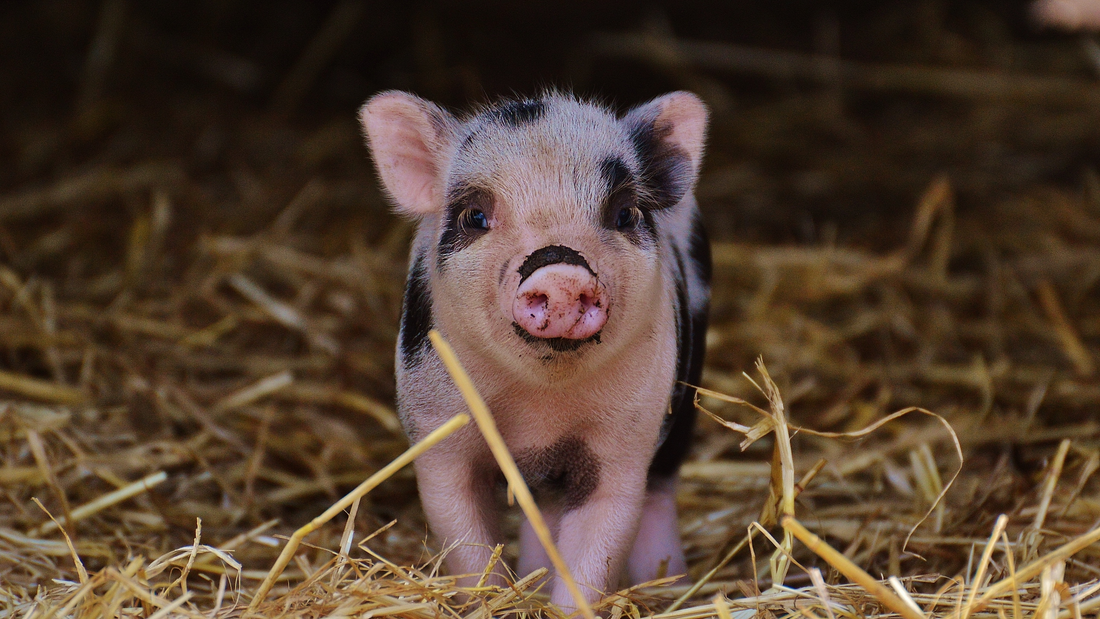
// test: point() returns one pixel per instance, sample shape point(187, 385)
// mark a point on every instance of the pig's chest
point(610, 412)
point(565, 443)
point(531, 419)
point(546, 429)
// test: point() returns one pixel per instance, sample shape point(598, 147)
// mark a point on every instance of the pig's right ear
point(407, 136)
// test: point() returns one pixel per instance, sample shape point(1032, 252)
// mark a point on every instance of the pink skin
point(658, 543)
point(561, 300)
point(532, 555)
point(657, 550)
point(595, 539)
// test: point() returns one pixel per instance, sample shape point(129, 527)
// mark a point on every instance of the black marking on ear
point(556, 344)
point(691, 331)
point(518, 113)
point(666, 169)
point(551, 254)
point(416, 314)
point(455, 237)
point(567, 467)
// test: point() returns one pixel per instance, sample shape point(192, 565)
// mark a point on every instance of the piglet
point(560, 251)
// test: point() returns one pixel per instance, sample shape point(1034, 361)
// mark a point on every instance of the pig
point(560, 250)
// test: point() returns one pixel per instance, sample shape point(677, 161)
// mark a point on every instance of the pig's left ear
point(669, 133)
point(407, 137)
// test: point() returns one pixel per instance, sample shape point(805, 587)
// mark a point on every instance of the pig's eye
point(473, 219)
point(629, 217)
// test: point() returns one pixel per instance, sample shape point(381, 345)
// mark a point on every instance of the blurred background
point(830, 117)
point(198, 273)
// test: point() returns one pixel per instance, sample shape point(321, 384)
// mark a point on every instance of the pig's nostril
point(560, 301)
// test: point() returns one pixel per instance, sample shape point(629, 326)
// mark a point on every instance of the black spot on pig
point(617, 175)
point(699, 250)
point(666, 169)
point(691, 329)
point(518, 113)
point(416, 314)
point(623, 194)
point(567, 468)
point(551, 254)
point(457, 236)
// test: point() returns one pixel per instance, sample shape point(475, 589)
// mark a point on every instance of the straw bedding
point(200, 287)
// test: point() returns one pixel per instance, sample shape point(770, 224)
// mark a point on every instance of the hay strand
point(103, 502)
point(262, 388)
point(40, 389)
point(983, 563)
point(1071, 342)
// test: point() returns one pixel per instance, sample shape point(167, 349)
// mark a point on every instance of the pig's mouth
point(556, 344)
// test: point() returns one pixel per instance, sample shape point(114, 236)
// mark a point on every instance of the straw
point(429, 441)
point(204, 278)
point(103, 502)
point(40, 389)
point(849, 569)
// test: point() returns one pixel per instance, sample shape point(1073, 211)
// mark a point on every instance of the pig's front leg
point(596, 533)
point(457, 494)
point(532, 555)
point(657, 549)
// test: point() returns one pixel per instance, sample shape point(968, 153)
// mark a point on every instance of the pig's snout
point(561, 301)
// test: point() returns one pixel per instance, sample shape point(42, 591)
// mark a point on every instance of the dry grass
point(197, 366)
point(1040, 557)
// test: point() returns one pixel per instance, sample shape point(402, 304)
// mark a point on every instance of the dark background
point(189, 81)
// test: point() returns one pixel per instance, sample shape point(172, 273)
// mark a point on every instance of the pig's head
point(539, 221)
